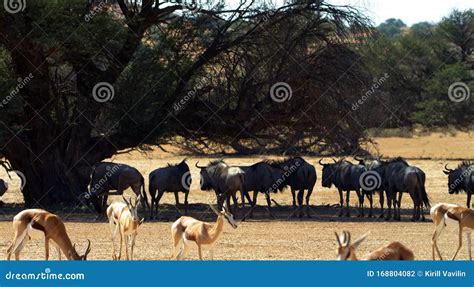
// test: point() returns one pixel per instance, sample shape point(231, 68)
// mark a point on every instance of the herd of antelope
point(390, 179)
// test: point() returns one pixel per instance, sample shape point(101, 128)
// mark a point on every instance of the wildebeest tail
point(144, 193)
point(422, 190)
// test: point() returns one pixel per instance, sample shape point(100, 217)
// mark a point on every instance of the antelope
point(29, 222)
point(444, 214)
point(392, 251)
point(123, 217)
point(187, 229)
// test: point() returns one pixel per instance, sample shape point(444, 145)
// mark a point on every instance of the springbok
point(444, 214)
point(28, 222)
point(187, 229)
point(392, 251)
point(123, 217)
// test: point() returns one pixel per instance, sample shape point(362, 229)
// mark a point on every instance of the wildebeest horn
point(321, 162)
point(446, 168)
point(334, 160)
point(198, 165)
point(358, 158)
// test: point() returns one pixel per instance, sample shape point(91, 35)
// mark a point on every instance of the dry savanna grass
point(281, 238)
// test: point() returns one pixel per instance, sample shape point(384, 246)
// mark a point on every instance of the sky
point(409, 11)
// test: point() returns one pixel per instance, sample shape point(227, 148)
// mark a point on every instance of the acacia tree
point(97, 77)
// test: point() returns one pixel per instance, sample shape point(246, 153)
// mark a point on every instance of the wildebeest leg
point(360, 197)
point(399, 204)
point(186, 193)
point(348, 194)
point(176, 197)
point(247, 195)
point(253, 202)
point(369, 195)
point(416, 205)
point(157, 201)
point(308, 195)
point(381, 200)
point(389, 204)
point(300, 202)
point(152, 192)
point(469, 194)
point(269, 204)
point(341, 202)
point(293, 194)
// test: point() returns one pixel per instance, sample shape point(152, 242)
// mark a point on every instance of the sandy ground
point(264, 238)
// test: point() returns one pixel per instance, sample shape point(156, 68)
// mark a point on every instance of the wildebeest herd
point(390, 179)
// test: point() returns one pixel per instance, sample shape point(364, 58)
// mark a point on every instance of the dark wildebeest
point(346, 177)
point(399, 177)
point(173, 178)
point(225, 180)
point(107, 176)
point(371, 164)
point(299, 175)
point(3, 187)
point(261, 177)
point(461, 179)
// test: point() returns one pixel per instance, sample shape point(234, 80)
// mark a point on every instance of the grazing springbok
point(187, 229)
point(123, 217)
point(29, 222)
point(444, 214)
point(392, 251)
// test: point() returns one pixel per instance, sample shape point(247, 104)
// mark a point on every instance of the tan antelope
point(444, 214)
point(392, 251)
point(123, 217)
point(28, 223)
point(187, 229)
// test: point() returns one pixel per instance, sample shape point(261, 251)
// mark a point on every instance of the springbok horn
point(126, 201)
point(338, 239)
point(198, 165)
point(214, 209)
point(348, 237)
point(88, 249)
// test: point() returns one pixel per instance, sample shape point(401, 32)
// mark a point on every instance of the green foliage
point(391, 27)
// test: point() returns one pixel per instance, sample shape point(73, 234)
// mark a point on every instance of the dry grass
point(283, 238)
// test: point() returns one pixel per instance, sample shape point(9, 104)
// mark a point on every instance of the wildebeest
point(107, 176)
point(371, 164)
point(225, 180)
point(461, 179)
point(173, 178)
point(3, 187)
point(399, 177)
point(346, 177)
point(261, 177)
point(299, 175)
